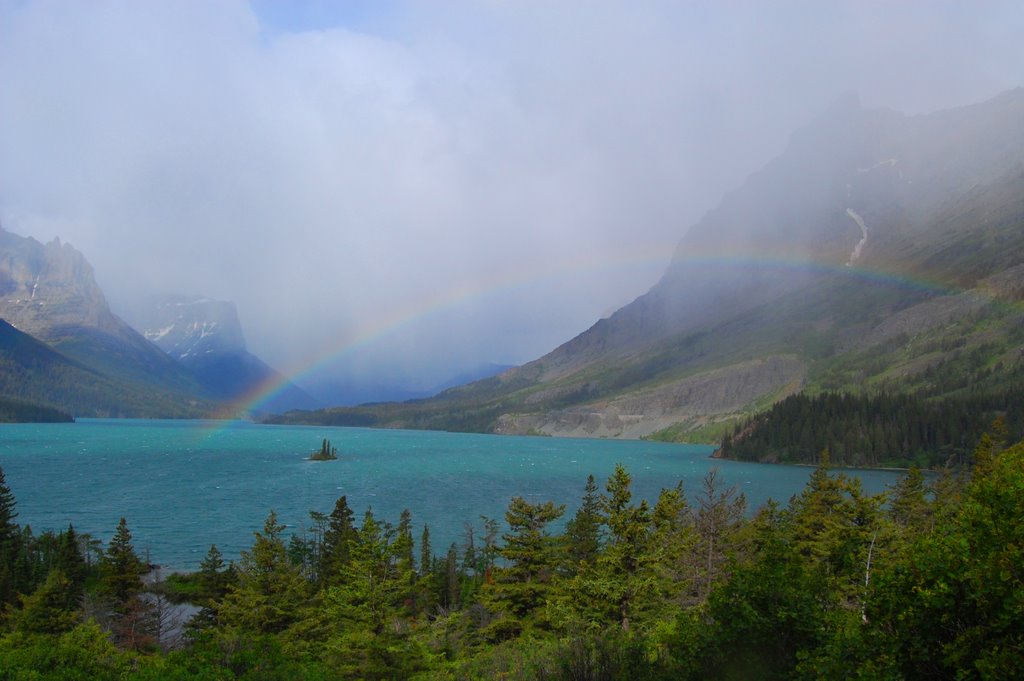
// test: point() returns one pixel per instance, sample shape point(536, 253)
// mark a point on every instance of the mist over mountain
point(205, 336)
point(403, 193)
point(877, 252)
point(64, 348)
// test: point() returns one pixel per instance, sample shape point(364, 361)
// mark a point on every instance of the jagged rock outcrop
point(49, 292)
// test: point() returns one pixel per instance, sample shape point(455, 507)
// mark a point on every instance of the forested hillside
point(921, 583)
point(891, 430)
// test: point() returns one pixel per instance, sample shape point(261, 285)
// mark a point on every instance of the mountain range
point(205, 336)
point(879, 252)
point(61, 346)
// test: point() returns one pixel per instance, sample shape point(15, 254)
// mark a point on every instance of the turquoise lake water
point(183, 485)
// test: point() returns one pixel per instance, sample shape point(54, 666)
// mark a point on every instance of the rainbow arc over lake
point(395, 319)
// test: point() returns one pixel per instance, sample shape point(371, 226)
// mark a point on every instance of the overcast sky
point(437, 184)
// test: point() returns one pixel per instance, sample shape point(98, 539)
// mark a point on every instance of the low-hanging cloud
point(513, 169)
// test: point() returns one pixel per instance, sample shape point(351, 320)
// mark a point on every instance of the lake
point(183, 485)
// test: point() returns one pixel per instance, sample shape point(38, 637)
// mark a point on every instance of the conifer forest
point(925, 581)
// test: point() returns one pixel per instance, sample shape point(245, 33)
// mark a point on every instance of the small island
point(325, 453)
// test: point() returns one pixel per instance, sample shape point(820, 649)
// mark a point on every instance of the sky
point(413, 189)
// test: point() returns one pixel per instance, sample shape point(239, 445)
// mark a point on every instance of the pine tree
point(70, 562)
point(10, 544)
point(521, 586)
point(270, 593)
point(627, 556)
point(719, 514)
point(583, 532)
point(426, 557)
point(338, 539)
point(909, 507)
point(50, 609)
point(121, 568)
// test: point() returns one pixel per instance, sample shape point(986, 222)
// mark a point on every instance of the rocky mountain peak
point(47, 288)
point(191, 326)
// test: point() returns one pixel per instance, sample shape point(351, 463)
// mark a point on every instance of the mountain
point(205, 336)
point(49, 293)
point(31, 371)
point(878, 252)
point(352, 390)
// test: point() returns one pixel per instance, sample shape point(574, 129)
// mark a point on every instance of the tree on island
point(326, 453)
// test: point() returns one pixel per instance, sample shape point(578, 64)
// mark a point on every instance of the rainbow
point(435, 303)
point(422, 308)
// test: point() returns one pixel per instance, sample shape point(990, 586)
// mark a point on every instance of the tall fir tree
point(270, 593)
point(121, 568)
point(337, 544)
point(531, 560)
point(10, 544)
point(583, 531)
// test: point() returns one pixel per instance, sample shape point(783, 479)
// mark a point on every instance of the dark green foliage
point(18, 411)
point(121, 568)
point(952, 604)
point(880, 430)
point(337, 542)
point(834, 585)
point(325, 453)
point(10, 544)
point(769, 611)
point(523, 584)
point(583, 532)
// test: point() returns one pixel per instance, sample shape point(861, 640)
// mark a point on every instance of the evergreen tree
point(719, 514)
point(627, 556)
point(70, 562)
point(214, 582)
point(452, 593)
point(520, 587)
point(426, 557)
point(50, 609)
point(338, 539)
point(121, 568)
point(909, 507)
point(583, 531)
point(10, 545)
point(372, 639)
point(270, 593)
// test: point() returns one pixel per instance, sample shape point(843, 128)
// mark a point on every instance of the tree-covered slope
point(32, 371)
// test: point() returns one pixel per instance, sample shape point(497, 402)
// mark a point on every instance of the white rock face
point(191, 326)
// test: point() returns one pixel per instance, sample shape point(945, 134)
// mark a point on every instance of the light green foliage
point(82, 654)
point(364, 610)
point(271, 593)
point(50, 609)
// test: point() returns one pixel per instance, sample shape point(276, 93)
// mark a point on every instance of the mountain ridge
point(866, 215)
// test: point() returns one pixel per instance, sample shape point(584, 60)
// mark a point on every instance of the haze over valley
point(392, 200)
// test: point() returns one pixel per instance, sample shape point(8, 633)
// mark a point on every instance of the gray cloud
point(516, 168)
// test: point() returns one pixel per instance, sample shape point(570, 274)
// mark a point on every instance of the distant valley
point(879, 253)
